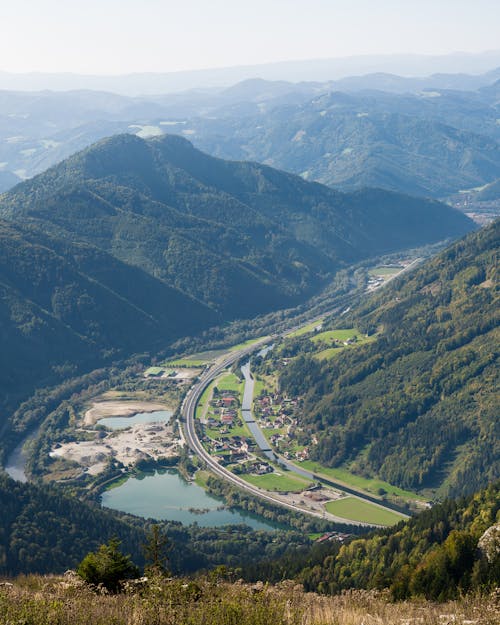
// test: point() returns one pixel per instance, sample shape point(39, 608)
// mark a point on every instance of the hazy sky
point(121, 36)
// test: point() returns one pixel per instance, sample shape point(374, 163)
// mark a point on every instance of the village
point(226, 437)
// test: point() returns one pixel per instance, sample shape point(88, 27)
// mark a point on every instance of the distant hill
point(241, 237)
point(67, 307)
point(431, 144)
point(8, 180)
point(490, 192)
point(258, 119)
point(417, 407)
point(295, 71)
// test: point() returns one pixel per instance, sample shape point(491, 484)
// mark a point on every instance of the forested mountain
point(430, 144)
point(239, 236)
point(419, 405)
point(490, 192)
point(442, 553)
point(7, 180)
point(66, 307)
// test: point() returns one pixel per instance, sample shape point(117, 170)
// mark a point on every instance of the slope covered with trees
point(66, 308)
point(442, 553)
point(43, 530)
point(241, 237)
point(418, 406)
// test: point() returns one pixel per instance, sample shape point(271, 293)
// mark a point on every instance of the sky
point(124, 36)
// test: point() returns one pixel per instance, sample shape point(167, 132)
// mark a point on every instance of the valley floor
point(68, 601)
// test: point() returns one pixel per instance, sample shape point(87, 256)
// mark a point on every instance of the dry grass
point(65, 601)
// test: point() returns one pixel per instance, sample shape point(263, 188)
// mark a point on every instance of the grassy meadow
point(37, 600)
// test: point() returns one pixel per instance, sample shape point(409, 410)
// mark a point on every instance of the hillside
point(417, 406)
point(442, 553)
point(43, 530)
point(65, 308)
point(490, 192)
point(241, 237)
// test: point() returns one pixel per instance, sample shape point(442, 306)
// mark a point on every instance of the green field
point(329, 353)
point(204, 399)
point(187, 363)
point(384, 271)
point(306, 329)
point(196, 360)
point(239, 346)
point(285, 482)
point(230, 382)
point(330, 336)
point(356, 510)
point(154, 371)
point(201, 478)
point(372, 486)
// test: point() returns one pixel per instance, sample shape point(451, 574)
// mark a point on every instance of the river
point(16, 462)
point(260, 439)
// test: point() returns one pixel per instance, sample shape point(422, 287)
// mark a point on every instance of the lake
point(167, 496)
point(120, 423)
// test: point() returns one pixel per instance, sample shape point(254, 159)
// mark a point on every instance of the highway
point(188, 411)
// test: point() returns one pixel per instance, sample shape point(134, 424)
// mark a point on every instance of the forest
point(418, 405)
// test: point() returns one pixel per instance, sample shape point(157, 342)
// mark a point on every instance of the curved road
point(188, 411)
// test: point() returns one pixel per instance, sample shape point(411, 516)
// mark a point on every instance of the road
point(188, 411)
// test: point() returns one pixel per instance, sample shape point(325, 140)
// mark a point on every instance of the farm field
point(186, 362)
point(328, 354)
point(230, 382)
point(306, 329)
point(356, 510)
point(330, 336)
point(384, 271)
point(278, 482)
point(195, 360)
point(371, 486)
point(203, 401)
point(239, 346)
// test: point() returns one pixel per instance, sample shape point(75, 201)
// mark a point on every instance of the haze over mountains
point(415, 136)
point(294, 71)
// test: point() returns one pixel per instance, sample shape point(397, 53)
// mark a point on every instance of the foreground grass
point(58, 601)
point(357, 510)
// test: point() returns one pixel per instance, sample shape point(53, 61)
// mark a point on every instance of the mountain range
point(293, 71)
point(239, 236)
point(132, 244)
point(382, 130)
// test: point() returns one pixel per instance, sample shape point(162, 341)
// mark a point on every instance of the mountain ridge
point(240, 227)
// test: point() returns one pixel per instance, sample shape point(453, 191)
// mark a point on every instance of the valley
point(271, 371)
point(110, 439)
